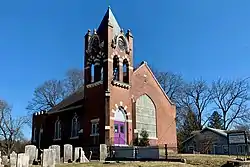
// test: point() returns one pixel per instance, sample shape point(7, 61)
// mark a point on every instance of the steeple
point(109, 20)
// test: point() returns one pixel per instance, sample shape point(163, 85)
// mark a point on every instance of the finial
point(109, 7)
point(129, 34)
point(143, 62)
point(94, 31)
point(121, 30)
point(89, 32)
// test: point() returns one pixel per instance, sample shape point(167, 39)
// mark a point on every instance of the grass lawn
point(206, 160)
point(193, 160)
point(128, 164)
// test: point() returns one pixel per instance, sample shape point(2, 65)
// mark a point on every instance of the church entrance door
point(119, 137)
point(120, 127)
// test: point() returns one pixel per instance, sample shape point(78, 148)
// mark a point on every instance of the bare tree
point(51, 92)
point(231, 99)
point(174, 86)
point(10, 128)
point(184, 106)
point(73, 81)
point(46, 96)
point(171, 83)
point(200, 96)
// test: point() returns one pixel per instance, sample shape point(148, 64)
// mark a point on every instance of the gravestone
point(1, 165)
point(67, 155)
point(22, 160)
point(13, 159)
point(56, 148)
point(103, 152)
point(83, 158)
point(0, 157)
point(31, 151)
point(77, 153)
point(48, 159)
point(5, 160)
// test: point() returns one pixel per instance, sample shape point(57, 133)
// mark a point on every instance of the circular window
point(121, 44)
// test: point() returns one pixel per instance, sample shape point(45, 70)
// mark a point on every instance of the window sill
point(151, 138)
point(57, 139)
point(94, 84)
point(75, 137)
point(97, 134)
point(95, 120)
point(121, 84)
point(121, 145)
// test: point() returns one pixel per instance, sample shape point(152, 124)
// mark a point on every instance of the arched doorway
point(120, 127)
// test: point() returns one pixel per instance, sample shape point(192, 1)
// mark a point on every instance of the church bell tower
point(108, 68)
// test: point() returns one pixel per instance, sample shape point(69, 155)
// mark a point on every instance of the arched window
point(146, 116)
point(116, 68)
point(75, 126)
point(34, 134)
point(92, 73)
point(57, 134)
point(101, 74)
point(125, 69)
point(120, 114)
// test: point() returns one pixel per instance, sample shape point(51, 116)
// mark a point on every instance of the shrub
point(144, 140)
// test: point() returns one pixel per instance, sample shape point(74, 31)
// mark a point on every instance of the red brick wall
point(48, 123)
point(121, 95)
point(94, 108)
point(165, 111)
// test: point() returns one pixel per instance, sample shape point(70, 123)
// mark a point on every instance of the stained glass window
point(145, 116)
point(75, 126)
point(57, 134)
point(116, 68)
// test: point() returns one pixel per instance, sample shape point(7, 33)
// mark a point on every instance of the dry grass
point(206, 160)
point(128, 164)
point(193, 160)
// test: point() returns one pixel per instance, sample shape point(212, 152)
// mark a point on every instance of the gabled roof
point(218, 131)
point(77, 96)
point(157, 82)
point(109, 18)
point(195, 132)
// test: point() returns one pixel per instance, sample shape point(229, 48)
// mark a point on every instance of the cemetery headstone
point(31, 151)
point(5, 160)
point(13, 159)
point(103, 152)
point(48, 159)
point(67, 155)
point(77, 153)
point(0, 157)
point(56, 148)
point(83, 158)
point(22, 160)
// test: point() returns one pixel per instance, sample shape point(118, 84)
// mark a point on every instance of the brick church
point(116, 101)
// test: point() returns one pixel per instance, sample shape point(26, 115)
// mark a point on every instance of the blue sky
point(40, 40)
